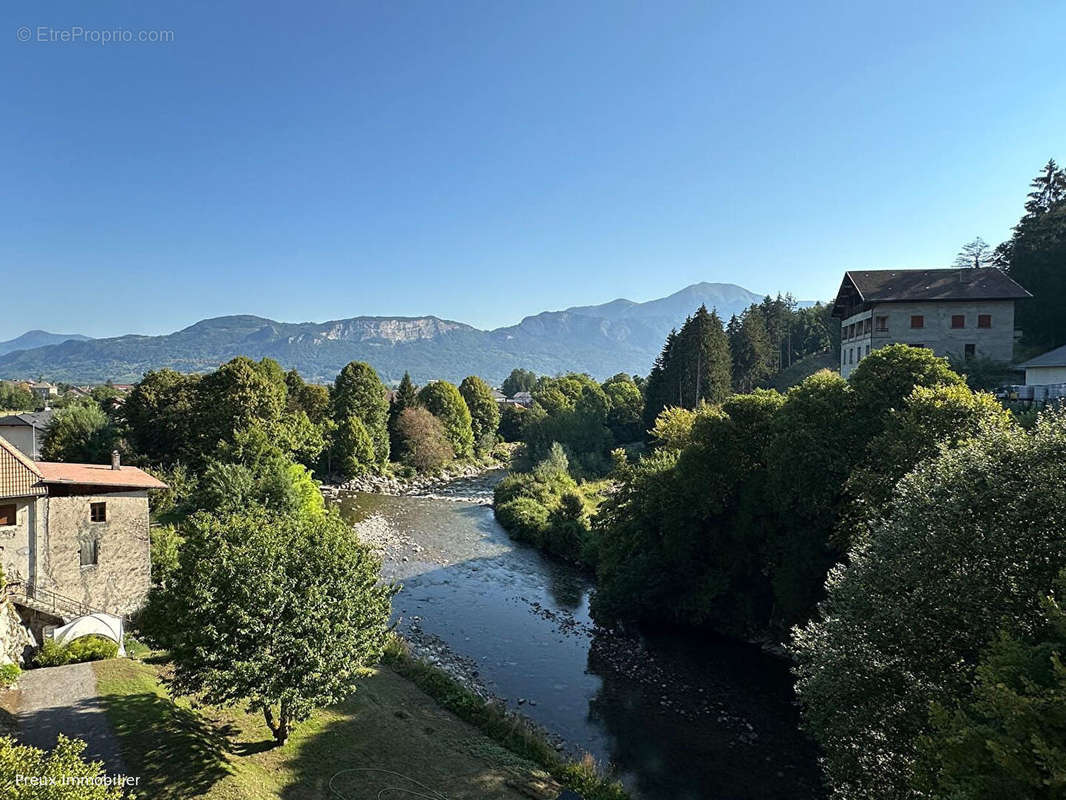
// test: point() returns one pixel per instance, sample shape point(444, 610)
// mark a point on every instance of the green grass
point(389, 734)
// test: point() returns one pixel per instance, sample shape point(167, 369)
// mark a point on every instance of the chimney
point(116, 460)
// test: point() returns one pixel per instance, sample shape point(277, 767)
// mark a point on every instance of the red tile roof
point(97, 475)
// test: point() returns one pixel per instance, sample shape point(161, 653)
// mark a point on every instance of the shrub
point(524, 518)
point(968, 545)
point(63, 764)
point(92, 648)
point(9, 673)
point(87, 648)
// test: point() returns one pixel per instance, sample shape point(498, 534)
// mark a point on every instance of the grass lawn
point(390, 734)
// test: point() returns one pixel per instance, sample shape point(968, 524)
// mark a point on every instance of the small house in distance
point(26, 430)
point(965, 313)
point(1046, 369)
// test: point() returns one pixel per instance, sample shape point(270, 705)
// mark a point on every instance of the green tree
point(974, 255)
point(14, 397)
point(484, 412)
point(423, 440)
point(353, 447)
point(282, 613)
point(62, 772)
point(931, 418)
point(443, 401)
point(512, 422)
point(751, 350)
point(359, 393)
point(80, 433)
point(625, 409)
point(884, 379)
point(160, 414)
point(968, 544)
point(310, 398)
point(239, 395)
point(520, 380)
point(1008, 739)
point(406, 397)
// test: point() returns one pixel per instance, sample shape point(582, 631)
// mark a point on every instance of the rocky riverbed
point(471, 483)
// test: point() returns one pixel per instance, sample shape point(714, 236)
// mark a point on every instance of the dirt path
point(63, 700)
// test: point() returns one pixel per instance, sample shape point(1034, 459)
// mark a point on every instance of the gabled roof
point(55, 472)
point(1052, 358)
point(903, 285)
point(19, 477)
point(33, 419)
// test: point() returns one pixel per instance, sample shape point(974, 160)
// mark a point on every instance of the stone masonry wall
point(119, 582)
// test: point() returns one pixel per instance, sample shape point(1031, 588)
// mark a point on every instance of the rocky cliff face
point(384, 329)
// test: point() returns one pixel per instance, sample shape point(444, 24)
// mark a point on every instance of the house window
point(984, 320)
point(958, 321)
point(867, 326)
point(917, 321)
point(867, 349)
point(971, 350)
point(882, 323)
point(8, 515)
point(89, 553)
point(98, 512)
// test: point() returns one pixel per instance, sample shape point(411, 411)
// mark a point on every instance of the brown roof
point(19, 476)
point(97, 475)
point(902, 285)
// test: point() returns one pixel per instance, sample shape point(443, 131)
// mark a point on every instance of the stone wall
point(119, 582)
point(13, 636)
point(15, 540)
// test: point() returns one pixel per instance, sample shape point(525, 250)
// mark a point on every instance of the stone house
point(962, 313)
point(43, 391)
point(26, 430)
point(74, 537)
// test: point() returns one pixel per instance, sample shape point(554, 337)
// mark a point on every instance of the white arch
point(106, 625)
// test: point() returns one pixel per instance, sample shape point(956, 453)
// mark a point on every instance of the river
point(679, 717)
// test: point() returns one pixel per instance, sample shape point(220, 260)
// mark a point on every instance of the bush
point(968, 545)
point(87, 648)
point(9, 673)
point(524, 518)
point(60, 769)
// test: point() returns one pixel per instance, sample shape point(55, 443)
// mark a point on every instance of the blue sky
point(484, 161)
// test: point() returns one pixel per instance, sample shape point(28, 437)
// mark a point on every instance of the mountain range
point(619, 336)
point(31, 339)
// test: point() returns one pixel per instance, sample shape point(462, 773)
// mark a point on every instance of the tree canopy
point(281, 612)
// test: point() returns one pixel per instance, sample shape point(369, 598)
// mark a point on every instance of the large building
point(961, 313)
point(74, 537)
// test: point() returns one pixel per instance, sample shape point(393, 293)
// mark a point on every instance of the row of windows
point(880, 324)
point(853, 354)
point(9, 513)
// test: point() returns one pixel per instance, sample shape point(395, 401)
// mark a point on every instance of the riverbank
point(462, 483)
point(672, 713)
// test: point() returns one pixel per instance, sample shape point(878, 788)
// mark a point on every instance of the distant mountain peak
point(617, 336)
point(38, 338)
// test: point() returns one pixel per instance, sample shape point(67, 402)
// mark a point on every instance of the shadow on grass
point(174, 750)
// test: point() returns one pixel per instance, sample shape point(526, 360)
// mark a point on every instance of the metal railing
point(46, 599)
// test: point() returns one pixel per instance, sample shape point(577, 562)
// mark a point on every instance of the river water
point(679, 718)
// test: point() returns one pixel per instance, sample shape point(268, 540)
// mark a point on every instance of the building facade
point(958, 313)
point(75, 535)
point(26, 430)
point(1046, 369)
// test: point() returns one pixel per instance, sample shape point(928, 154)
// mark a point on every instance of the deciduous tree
point(282, 613)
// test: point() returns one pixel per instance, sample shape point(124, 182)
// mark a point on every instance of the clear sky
point(486, 160)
